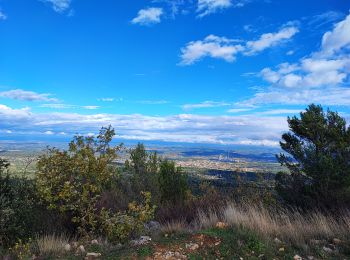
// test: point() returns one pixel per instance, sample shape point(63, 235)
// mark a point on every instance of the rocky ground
point(216, 243)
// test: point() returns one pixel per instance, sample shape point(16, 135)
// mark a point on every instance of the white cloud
point(212, 46)
point(205, 104)
point(280, 112)
point(206, 7)
point(322, 77)
point(68, 106)
point(269, 40)
point(153, 102)
point(49, 132)
point(238, 110)
point(58, 106)
point(106, 99)
point(24, 95)
point(148, 16)
point(249, 129)
point(59, 6)
point(320, 20)
point(223, 48)
point(91, 107)
point(10, 116)
point(337, 39)
point(334, 96)
point(248, 28)
point(310, 72)
point(2, 16)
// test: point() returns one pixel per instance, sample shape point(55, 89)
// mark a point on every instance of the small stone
point(261, 255)
point(81, 249)
point(277, 241)
point(316, 241)
point(94, 242)
point(92, 256)
point(168, 255)
point(327, 249)
point(192, 246)
point(332, 246)
point(143, 240)
point(221, 225)
point(337, 241)
point(297, 257)
point(281, 249)
point(310, 257)
point(152, 227)
point(67, 247)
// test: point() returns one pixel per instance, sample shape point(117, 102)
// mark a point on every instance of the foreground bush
point(73, 182)
point(120, 226)
point(21, 214)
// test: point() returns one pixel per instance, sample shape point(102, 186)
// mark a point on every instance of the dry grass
point(288, 226)
point(49, 245)
point(179, 227)
point(207, 219)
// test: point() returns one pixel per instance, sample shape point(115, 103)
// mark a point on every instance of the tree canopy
point(317, 154)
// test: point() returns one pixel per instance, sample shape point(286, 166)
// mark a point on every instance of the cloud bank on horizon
point(196, 71)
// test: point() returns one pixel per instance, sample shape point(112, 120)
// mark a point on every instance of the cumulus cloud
point(205, 104)
point(59, 6)
point(14, 117)
point(20, 94)
point(321, 77)
point(248, 129)
point(310, 72)
point(223, 48)
point(2, 16)
point(148, 16)
point(338, 39)
point(212, 46)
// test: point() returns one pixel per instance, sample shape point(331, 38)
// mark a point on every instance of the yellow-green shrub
point(120, 226)
point(72, 181)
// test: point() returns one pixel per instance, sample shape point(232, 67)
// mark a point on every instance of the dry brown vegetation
point(51, 245)
point(287, 225)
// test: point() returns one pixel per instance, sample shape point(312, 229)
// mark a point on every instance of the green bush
point(78, 182)
point(143, 167)
point(121, 226)
point(72, 181)
point(21, 214)
point(172, 183)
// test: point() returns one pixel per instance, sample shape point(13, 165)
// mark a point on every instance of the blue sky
point(202, 71)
